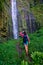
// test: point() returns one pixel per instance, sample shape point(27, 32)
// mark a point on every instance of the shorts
point(26, 43)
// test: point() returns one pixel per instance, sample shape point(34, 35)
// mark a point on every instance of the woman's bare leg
point(26, 48)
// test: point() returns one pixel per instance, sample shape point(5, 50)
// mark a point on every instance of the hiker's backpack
point(25, 39)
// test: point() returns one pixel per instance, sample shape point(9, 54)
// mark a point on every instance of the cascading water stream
point(14, 18)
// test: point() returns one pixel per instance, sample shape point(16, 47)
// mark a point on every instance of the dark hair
point(24, 33)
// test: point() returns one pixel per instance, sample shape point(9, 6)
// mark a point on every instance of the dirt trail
point(19, 50)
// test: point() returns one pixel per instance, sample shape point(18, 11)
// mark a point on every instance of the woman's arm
point(21, 34)
point(28, 39)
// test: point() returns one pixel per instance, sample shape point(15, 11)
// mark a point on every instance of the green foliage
point(8, 53)
point(38, 13)
point(24, 62)
point(1, 4)
point(35, 47)
point(37, 58)
point(36, 41)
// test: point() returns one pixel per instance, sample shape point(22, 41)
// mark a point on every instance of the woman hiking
point(26, 40)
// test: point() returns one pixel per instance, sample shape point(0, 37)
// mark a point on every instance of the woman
point(25, 41)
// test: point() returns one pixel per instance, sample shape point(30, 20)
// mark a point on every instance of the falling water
point(14, 18)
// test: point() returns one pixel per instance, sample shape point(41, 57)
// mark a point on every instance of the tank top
point(25, 39)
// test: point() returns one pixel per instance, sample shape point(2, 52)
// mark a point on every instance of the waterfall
point(14, 18)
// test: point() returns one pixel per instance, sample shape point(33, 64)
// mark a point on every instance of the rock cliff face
point(24, 17)
point(23, 9)
point(5, 20)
